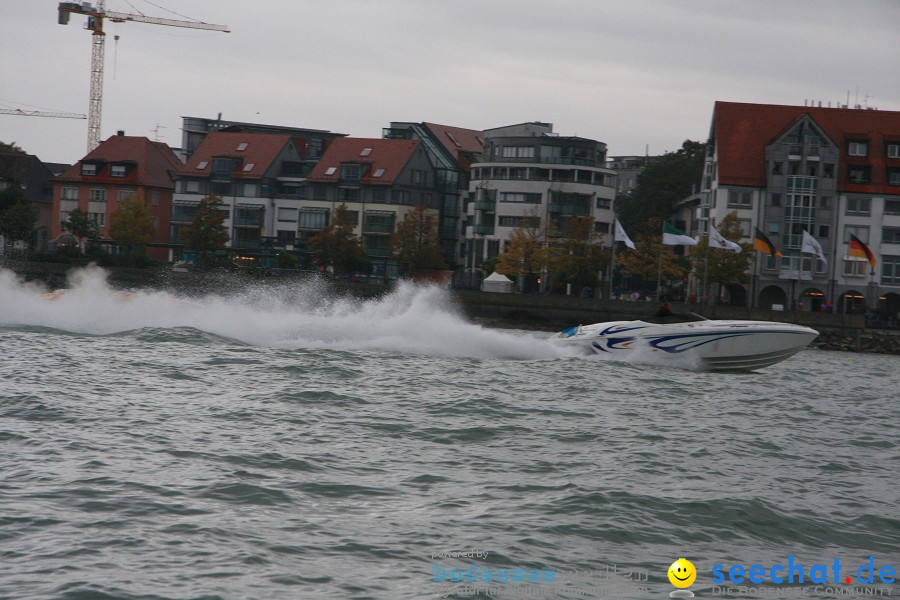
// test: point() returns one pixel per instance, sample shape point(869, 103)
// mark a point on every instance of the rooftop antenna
point(155, 131)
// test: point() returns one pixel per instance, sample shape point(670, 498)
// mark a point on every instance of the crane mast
point(96, 15)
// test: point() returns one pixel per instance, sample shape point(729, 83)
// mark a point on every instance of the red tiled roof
point(261, 150)
point(457, 140)
point(154, 162)
point(742, 132)
point(390, 155)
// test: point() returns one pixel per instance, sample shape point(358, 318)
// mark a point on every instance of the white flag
point(811, 246)
point(621, 236)
point(717, 241)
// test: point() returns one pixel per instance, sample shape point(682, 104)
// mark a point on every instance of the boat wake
point(410, 319)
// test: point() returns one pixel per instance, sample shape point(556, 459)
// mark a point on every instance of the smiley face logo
point(682, 573)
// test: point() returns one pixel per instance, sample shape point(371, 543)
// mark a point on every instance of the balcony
point(488, 205)
point(483, 229)
point(248, 221)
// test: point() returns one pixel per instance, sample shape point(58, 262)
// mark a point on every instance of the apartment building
point(529, 175)
point(832, 172)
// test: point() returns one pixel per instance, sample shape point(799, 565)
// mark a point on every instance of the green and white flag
point(676, 237)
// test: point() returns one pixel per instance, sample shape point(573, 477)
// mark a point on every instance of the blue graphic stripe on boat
point(695, 340)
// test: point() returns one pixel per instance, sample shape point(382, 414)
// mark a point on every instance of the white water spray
point(410, 319)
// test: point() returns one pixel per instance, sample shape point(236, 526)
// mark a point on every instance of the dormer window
point(858, 148)
point(242, 146)
point(222, 166)
point(351, 172)
point(117, 171)
point(88, 169)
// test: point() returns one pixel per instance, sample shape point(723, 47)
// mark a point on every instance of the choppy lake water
point(279, 443)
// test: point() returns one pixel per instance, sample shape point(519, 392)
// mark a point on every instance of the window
point(418, 177)
point(893, 150)
point(512, 221)
point(69, 193)
point(890, 235)
point(828, 171)
point(400, 197)
point(351, 217)
point(287, 215)
point(776, 167)
point(518, 152)
point(775, 199)
point(221, 188)
point(122, 194)
point(893, 176)
point(520, 197)
point(242, 146)
point(860, 231)
point(746, 226)
point(774, 228)
point(311, 218)
point(88, 169)
point(248, 167)
point(379, 195)
point(378, 173)
point(825, 202)
point(855, 267)
point(250, 190)
point(319, 192)
point(222, 167)
point(97, 195)
point(99, 218)
point(858, 148)
point(286, 237)
point(824, 231)
point(601, 227)
point(378, 221)
point(858, 206)
point(365, 152)
point(117, 171)
point(351, 171)
point(858, 174)
point(192, 187)
point(604, 203)
point(348, 194)
point(892, 207)
point(202, 164)
point(331, 170)
point(740, 199)
point(890, 270)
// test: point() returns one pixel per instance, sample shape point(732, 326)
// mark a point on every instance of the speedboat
point(692, 341)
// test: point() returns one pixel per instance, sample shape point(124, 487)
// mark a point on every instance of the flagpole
point(705, 272)
point(659, 269)
point(612, 264)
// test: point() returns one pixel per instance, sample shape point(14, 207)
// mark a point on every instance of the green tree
point(578, 257)
point(12, 147)
point(651, 258)
point(416, 241)
point(337, 247)
point(206, 233)
point(83, 227)
point(131, 224)
point(664, 182)
point(17, 222)
point(715, 265)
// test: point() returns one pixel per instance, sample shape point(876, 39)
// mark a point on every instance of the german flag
point(762, 244)
point(860, 250)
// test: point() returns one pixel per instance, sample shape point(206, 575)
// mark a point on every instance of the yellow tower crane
point(96, 15)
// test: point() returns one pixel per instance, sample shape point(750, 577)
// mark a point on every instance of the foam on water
point(410, 319)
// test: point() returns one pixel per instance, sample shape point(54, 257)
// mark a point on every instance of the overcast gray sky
point(631, 73)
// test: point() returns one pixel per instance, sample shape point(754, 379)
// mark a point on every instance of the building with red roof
point(380, 181)
point(831, 172)
point(119, 167)
point(452, 151)
point(258, 176)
